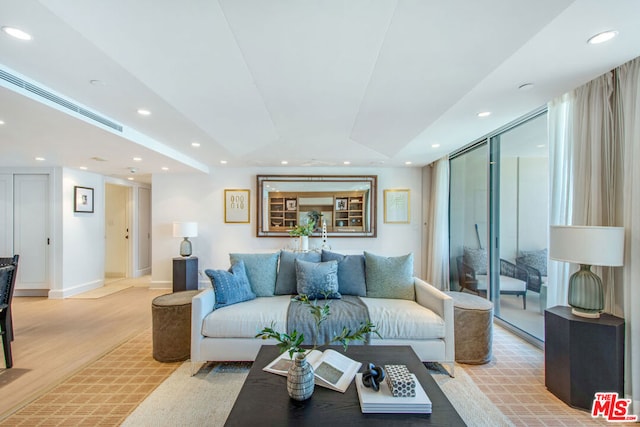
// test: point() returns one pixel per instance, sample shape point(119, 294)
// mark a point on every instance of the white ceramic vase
point(304, 243)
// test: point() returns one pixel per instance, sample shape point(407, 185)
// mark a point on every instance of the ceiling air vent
point(17, 81)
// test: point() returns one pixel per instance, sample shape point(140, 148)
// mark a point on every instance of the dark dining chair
point(7, 275)
point(11, 261)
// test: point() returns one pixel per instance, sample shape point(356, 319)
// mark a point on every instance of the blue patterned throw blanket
point(347, 312)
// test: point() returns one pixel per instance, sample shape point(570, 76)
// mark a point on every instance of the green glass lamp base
point(586, 293)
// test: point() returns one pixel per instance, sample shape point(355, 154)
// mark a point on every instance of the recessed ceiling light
point(164, 168)
point(137, 159)
point(1, 122)
point(484, 114)
point(284, 162)
point(97, 82)
point(605, 36)
point(195, 144)
point(435, 145)
point(84, 168)
point(17, 33)
point(526, 86)
point(40, 159)
point(347, 162)
point(407, 163)
point(130, 178)
point(144, 112)
point(224, 162)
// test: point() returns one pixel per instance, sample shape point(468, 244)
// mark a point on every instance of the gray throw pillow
point(230, 287)
point(262, 270)
point(476, 259)
point(535, 259)
point(317, 280)
point(286, 281)
point(389, 277)
point(351, 273)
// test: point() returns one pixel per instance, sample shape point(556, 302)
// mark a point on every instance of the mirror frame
point(261, 204)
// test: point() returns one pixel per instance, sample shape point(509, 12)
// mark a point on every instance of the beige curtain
point(437, 220)
point(594, 133)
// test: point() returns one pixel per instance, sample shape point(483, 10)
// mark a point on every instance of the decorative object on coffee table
point(300, 378)
point(373, 376)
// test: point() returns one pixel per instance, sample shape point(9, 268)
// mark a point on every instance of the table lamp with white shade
point(186, 230)
point(587, 246)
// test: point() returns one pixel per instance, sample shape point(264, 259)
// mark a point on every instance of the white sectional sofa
point(227, 333)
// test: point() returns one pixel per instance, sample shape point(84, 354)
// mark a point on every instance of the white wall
point(200, 198)
point(82, 254)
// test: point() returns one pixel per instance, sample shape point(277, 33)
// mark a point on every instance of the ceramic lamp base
point(185, 247)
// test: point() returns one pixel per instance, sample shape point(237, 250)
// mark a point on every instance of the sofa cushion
point(230, 287)
point(262, 270)
point(476, 259)
point(246, 319)
point(403, 319)
point(389, 277)
point(286, 281)
point(535, 259)
point(317, 280)
point(351, 273)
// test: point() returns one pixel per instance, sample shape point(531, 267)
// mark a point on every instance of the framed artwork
point(292, 204)
point(396, 206)
point(341, 204)
point(83, 199)
point(236, 206)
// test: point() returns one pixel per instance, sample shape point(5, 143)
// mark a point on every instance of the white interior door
point(31, 230)
point(116, 231)
point(144, 230)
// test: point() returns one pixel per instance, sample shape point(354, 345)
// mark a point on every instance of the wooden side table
point(582, 356)
point(185, 274)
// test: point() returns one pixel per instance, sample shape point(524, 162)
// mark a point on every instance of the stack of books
point(383, 401)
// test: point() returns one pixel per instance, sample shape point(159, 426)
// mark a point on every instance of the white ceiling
point(311, 82)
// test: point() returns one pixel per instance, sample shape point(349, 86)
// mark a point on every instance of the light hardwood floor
point(55, 338)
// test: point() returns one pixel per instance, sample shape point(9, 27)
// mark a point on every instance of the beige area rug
point(207, 398)
point(103, 291)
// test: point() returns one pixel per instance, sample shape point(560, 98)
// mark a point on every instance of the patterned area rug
point(104, 393)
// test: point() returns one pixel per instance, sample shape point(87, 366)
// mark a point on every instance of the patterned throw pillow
point(286, 281)
point(536, 259)
point(476, 259)
point(230, 287)
point(389, 277)
point(315, 279)
point(262, 270)
point(351, 273)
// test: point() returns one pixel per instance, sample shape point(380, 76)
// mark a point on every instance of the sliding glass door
point(499, 222)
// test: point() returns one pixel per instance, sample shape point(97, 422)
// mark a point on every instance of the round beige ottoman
point(473, 320)
point(171, 320)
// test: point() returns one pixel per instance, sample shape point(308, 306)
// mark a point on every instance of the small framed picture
point(292, 204)
point(341, 204)
point(83, 199)
point(396, 206)
point(236, 206)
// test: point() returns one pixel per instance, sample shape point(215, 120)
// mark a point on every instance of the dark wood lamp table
point(263, 399)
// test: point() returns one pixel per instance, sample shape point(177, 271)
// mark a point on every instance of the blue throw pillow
point(351, 273)
point(230, 287)
point(317, 280)
point(389, 277)
point(286, 281)
point(262, 270)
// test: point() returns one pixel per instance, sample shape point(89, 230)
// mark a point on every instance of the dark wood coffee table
point(263, 399)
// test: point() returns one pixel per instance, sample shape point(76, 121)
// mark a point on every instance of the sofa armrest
point(201, 305)
point(440, 303)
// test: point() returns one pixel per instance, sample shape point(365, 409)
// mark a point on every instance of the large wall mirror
point(345, 204)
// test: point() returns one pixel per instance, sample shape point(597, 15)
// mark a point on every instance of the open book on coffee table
point(332, 369)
